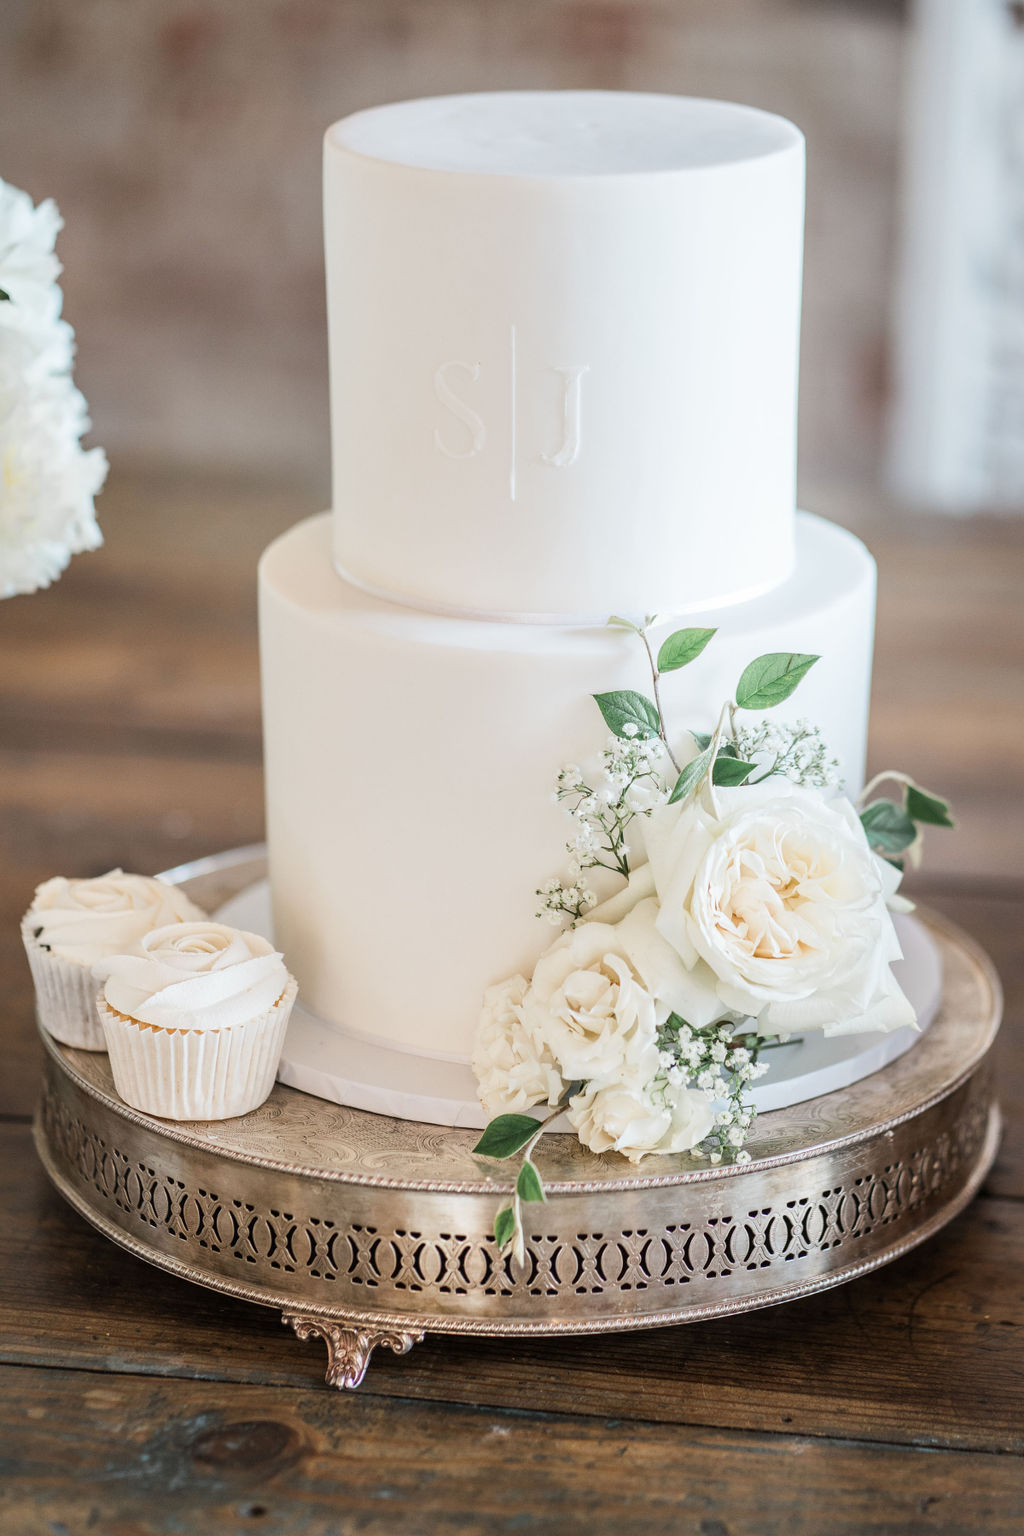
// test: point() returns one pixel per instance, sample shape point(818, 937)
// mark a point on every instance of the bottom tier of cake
point(411, 759)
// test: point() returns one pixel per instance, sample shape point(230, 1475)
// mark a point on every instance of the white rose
point(513, 1072)
point(636, 1121)
point(589, 1008)
point(776, 907)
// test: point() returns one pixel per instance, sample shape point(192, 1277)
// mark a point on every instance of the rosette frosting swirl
point(195, 976)
point(84, 920)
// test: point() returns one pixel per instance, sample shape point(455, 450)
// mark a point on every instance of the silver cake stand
point(364, 1230)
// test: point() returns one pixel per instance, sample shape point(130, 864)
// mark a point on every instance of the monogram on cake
point(563, 363)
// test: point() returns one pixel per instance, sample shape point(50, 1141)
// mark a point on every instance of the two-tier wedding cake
point(563, 357)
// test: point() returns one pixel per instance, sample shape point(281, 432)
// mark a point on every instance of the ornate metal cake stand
point(363, 1230)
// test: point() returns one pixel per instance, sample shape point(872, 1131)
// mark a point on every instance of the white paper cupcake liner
point(193, 1074)
point(65, 995)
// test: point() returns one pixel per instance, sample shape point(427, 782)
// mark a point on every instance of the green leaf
point(506, 1135)
point(615, 621)
point(504, 1226)
point(772, 678)
point(624, 707)
point(528, 1184)
point(682, 648)
point(690, 776)
point(4, 295)
point(702, 741)
point(729, 771)
point(888, 827)
point(927, 809)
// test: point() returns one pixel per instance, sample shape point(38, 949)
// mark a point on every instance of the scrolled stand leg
point(350, 1345)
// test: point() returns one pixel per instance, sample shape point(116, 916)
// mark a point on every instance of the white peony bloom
point(776, 908)
point(636, 1121)
point(47, 482)
point(514, 1073)
point(589, 1008)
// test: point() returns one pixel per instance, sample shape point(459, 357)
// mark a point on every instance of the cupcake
point(195, 1023)
point(73, 923)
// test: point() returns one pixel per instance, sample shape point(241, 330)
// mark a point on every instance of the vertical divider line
point(512, 416)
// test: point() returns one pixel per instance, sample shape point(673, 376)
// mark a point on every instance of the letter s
point(459, 409)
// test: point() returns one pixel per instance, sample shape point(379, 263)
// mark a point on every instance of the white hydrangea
point(47, 481)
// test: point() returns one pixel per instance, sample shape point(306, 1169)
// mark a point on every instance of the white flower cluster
point(630, 784)
point(761, 911)
point(560, 901)
point(584, 1032)
point(722, 1065)
point(47, 481)
point(798, 752)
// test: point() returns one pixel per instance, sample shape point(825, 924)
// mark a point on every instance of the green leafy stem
point(504, 1137)
point(893, 829)
point(766, 682)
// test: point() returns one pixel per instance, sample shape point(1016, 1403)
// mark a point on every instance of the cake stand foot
point(350, 1344)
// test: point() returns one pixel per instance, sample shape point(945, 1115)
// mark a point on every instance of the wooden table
point(135, 1403)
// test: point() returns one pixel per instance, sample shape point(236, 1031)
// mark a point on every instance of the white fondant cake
point(563, 382)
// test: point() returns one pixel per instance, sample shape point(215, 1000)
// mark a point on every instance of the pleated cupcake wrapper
point(196, 1074)
point(65, 996)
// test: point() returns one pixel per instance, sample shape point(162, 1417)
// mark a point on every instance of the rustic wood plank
point(928, 1351)
point(157, 630)
point(948, 683)
point(129, 1456)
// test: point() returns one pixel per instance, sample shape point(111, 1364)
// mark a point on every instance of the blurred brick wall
point(182, 142)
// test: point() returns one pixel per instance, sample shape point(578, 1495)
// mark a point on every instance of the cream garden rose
point(588, 1007)
point(775, 906)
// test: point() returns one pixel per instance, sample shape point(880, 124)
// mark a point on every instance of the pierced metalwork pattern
point(361, 1223)
point(420, 1264)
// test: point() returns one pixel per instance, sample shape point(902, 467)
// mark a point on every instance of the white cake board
point(334, 1063)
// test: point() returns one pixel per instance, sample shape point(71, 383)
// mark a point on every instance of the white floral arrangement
point(759, 909)
point(47, 480)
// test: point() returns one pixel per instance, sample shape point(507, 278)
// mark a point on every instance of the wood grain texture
point(128, 1456)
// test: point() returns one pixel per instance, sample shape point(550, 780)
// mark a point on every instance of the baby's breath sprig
point(722, 1064)
point(797, 751)
point(630, 785)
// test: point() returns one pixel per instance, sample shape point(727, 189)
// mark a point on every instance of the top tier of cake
point(563, 343)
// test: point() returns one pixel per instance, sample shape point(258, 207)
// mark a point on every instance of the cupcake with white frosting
point(72, 924)
point(196, 1023)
